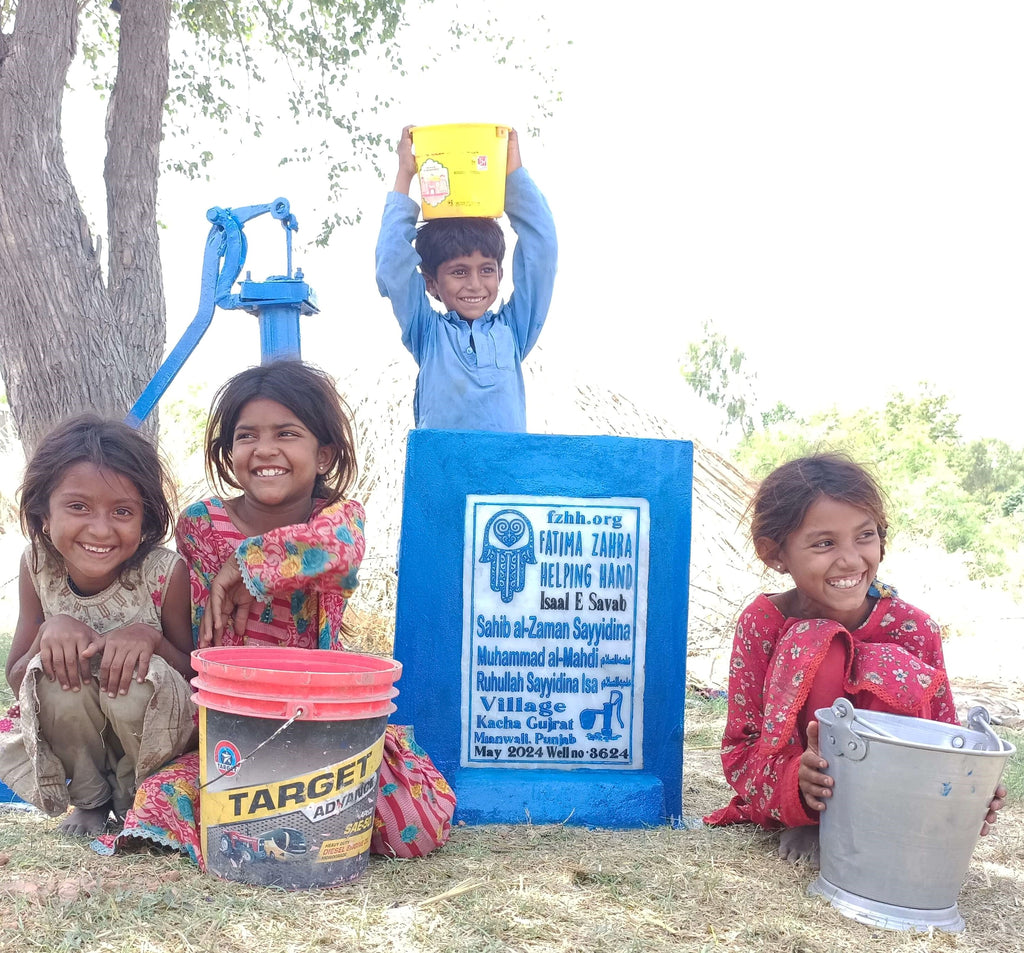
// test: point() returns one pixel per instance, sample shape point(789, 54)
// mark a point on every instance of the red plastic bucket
point(268, 682)
point(290, 746)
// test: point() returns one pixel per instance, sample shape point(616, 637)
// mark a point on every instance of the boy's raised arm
point(514, 160)
point(406, 162)
point(535, 259)
point(397, 273)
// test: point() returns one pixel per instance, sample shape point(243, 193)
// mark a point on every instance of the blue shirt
point(471, 375)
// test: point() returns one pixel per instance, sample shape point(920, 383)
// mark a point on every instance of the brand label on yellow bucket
point(318, 794)
point(296, 808)
point(435, 183)
point(346, 847)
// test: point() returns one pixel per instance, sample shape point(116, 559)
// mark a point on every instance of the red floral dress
point(895, 657)
point(302, 577)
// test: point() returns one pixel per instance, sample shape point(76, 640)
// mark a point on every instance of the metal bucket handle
point(978, 719)
point(851, 744)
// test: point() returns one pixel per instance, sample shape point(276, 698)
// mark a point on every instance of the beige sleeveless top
point(115, 606)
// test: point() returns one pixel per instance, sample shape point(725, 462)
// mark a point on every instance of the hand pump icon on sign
point(588, 716)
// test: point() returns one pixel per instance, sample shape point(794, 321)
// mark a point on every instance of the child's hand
point(126, 654)
point(515, 160)
point(229, 601)
point(996, 804)
point(62, 644)
point(406, 162)
point(815, 785)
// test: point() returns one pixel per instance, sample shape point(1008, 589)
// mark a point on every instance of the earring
point(779, 567)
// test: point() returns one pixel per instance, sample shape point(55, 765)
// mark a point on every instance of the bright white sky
point(838, 187)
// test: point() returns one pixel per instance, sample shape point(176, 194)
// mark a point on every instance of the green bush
point(968, 496)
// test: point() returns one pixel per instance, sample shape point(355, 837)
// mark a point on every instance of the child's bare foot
point(801, 844)
point(85, 822)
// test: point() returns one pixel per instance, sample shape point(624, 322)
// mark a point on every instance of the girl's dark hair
point(307, 392)
point(110, 444)
point(784, 496)
point(442, 239)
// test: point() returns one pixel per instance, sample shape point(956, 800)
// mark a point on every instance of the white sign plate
point(554, 632)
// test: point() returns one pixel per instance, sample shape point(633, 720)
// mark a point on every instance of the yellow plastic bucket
point(461, 169)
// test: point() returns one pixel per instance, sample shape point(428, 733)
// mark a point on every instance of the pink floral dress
point(302, 577)
point(894, 657)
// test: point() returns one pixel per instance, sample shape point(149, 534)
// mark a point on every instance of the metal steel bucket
point(906, 812)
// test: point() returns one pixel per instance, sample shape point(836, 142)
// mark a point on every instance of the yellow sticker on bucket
point(343, 848)
point(461, 169)
point(327, 784)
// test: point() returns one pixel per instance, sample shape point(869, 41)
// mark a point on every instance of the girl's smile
point(833, 557)
point(95, 523)
point(275, 459)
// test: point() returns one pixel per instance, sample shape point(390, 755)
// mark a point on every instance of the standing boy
point(470, 357)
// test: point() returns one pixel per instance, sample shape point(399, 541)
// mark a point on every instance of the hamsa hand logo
point(508, 547)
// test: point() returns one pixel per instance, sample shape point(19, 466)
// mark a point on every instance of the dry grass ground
point(525, 889)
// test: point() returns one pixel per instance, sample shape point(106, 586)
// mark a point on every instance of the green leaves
point(967, 496)
point(240, 67)
point(714, 369)
point(246, 62)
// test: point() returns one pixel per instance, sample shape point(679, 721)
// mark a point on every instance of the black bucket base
point(887, 916)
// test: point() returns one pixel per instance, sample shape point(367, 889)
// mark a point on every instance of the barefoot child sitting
point(100, 654)
point(470, 357)
point(837, 633)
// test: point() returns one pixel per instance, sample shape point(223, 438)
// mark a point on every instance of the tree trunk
point(69, 343)
point(131, 172)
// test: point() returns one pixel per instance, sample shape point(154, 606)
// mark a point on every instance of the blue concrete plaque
point(541, 623)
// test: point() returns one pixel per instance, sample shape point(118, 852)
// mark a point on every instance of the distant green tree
point(965, 495)
point(990, 470)
point(1013, 502)
point(928, 409)
point(714, 369)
